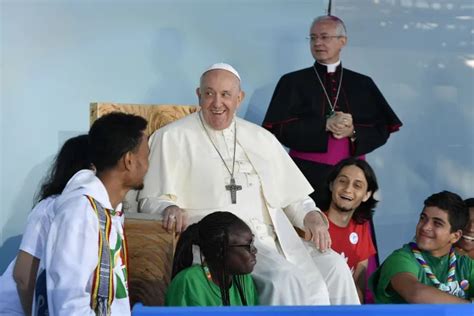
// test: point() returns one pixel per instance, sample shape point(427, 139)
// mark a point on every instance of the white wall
point(418, 53)
point(2, 210)
point(57, 56)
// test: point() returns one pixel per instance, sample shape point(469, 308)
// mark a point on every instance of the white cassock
point(186, 170)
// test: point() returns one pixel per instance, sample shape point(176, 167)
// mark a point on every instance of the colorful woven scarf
point(102, 292)
point(445, 287)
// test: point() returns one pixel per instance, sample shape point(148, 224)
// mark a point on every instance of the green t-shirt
point(190, 287)
point(403, 260)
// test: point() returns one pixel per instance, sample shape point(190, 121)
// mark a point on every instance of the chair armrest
point(150, 258)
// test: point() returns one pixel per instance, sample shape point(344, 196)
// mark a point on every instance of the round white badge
point(354, 238)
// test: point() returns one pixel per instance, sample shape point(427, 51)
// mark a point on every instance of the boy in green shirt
point(429, 270)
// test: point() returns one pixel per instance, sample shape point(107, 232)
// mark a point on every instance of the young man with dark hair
point(351, 187)
point(85, 267)
point(429, 270)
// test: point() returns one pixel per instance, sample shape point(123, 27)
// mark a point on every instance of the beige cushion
point(157, 115)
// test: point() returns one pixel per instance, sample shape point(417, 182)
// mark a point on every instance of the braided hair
point(211, 234)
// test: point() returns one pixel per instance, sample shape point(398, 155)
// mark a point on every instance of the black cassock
point(298, 112)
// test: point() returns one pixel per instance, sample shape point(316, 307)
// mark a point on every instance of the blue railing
point(363, 310)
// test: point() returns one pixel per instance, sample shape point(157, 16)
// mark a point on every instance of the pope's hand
point(173, 215)
point(316, 230)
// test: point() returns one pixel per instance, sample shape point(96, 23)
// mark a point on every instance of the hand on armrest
point(173, 215)
point(316, 230)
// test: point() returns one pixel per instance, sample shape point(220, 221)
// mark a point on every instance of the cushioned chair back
point(157, 115)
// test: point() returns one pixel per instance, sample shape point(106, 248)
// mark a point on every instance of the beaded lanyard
point(429, 273)
point(207, 272)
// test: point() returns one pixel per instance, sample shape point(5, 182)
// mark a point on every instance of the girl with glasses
point(227, 257)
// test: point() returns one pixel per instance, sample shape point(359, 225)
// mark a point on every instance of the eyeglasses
point(249, 247)
point(323, 38)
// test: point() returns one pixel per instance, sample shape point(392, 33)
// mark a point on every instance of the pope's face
point(325, 45)
point(219, 97)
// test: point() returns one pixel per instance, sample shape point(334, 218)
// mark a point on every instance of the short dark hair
point(72, 157)
point(469, 202)
point(365, 210)
point(113, 135)
point(458, 213)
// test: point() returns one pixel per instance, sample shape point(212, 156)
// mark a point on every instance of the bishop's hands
point(340, 125)
point(175, 219)
point(316, 230)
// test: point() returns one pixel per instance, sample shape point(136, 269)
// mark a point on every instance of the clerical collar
point(330, 67)
point(227, 130)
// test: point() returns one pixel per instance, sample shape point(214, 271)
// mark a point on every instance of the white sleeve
point(156, 205)
point(37, 228)
point(297, 211)
point(71, 258)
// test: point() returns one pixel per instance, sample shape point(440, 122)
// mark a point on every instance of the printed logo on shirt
point(354, 238)
point(40, 296)
point(120, 270)
point(454, 288)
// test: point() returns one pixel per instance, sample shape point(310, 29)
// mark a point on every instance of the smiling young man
point(352, 184)
point(428, 270)
point(343, 111)
point(466, 244)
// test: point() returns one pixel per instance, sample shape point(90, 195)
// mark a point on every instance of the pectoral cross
point(233, 188)
point(330, 114)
